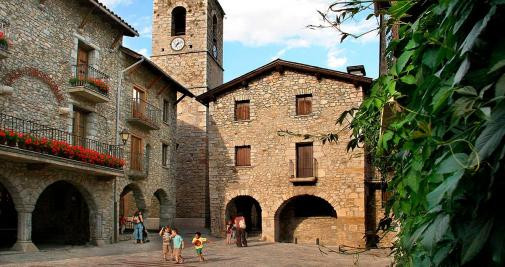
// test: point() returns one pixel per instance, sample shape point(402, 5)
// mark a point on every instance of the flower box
point(58, 148)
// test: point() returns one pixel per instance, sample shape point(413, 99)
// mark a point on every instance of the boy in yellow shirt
point(198, 241)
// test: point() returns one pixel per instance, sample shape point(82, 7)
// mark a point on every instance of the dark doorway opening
point(8, 220)
point(61, 217)
point(305, 218)
point(250, 209)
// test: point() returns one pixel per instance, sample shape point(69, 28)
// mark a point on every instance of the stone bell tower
point(187, 43)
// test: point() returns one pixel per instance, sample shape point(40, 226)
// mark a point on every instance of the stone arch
point(8, 214)
point(305, 218)
point(15, 194)
point(137, 197)
point(247, 206)
point(164, 207)
point(14, 75)
point(79, 210)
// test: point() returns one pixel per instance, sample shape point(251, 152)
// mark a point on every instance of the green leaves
point(475, 32)
point(491, 137)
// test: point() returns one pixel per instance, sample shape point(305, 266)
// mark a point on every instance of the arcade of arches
point(155, 214)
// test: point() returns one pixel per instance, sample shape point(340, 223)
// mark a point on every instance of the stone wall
point(272, 108)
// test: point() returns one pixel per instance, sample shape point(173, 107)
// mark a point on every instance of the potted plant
point(4, 43)
point(12, 138)
point(3, 137)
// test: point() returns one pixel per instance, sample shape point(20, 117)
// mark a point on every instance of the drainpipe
point(118, 101)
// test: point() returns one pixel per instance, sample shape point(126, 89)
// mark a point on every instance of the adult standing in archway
point(138, 220)
point(241, 226)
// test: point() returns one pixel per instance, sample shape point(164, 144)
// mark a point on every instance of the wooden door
point(79, 130)
point(82, 62)
point(136, 153)
point(304, 160)
point(138, 103)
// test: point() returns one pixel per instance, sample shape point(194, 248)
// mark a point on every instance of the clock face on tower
point(177, 44)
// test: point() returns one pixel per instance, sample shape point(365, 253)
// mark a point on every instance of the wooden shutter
point(242, 110)
point(303, 104)
point(79, 127)
point(164, 155)
point(136, 153)
point(165, 110)
point(304, 160)
point(138, 103)
point(243, 156)
point(82, 62)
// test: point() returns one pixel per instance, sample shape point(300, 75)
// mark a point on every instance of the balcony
point(139, 166)
point(89, 84)
point(144, 115)
point(307, 175)
point(41, 146)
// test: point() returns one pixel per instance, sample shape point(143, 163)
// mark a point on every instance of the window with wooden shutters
point(242, 110)
point(304, 160)
point(165, 110)
point(164, 155)
point(79, 130)
point(304, 104)
point(136, 153)
point(243, 156)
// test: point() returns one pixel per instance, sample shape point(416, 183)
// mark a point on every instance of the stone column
point(24, 242)
point(268, 227)
point(97, 236)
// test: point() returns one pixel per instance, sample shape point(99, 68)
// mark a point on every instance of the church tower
point(188, 44)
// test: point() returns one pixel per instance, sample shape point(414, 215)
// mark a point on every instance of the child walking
point(229, 230)
point(198, 241)
point(178, 243)
point(168, 250)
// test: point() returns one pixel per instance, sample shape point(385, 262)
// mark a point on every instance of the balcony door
point(79, 130)
point(136, 153)
point(138, 103)
point(304, 160)
point(82, 62)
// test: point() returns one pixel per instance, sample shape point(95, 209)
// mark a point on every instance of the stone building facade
point(324, 206)
point(52, 88)
point(198, 65)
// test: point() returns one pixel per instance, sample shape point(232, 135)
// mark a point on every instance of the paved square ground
point(217, 253)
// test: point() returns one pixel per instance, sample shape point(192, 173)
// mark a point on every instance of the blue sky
point(257, 32)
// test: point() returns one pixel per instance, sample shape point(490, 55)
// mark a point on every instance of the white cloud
point(113, 3)
point(334, 58)
point(143, 51)
point(284, 22)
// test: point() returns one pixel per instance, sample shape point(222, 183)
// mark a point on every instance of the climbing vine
point(442, 145)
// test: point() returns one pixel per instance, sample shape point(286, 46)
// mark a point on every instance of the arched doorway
point(61, 217)
point(158, 213)
point(306, 219)
point(8, 219)
point(130, 200)
point(249, 208)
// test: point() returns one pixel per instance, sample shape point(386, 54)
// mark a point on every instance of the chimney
point(357, 70)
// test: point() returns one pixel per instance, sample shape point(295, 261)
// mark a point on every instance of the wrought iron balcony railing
point(294, 174)
point(145, 114)
point(33, 136)
point(90, 78)
point(139, 165)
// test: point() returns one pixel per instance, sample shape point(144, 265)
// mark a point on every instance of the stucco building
point(68, 89)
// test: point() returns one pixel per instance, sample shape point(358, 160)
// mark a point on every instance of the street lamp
point(125, 135)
